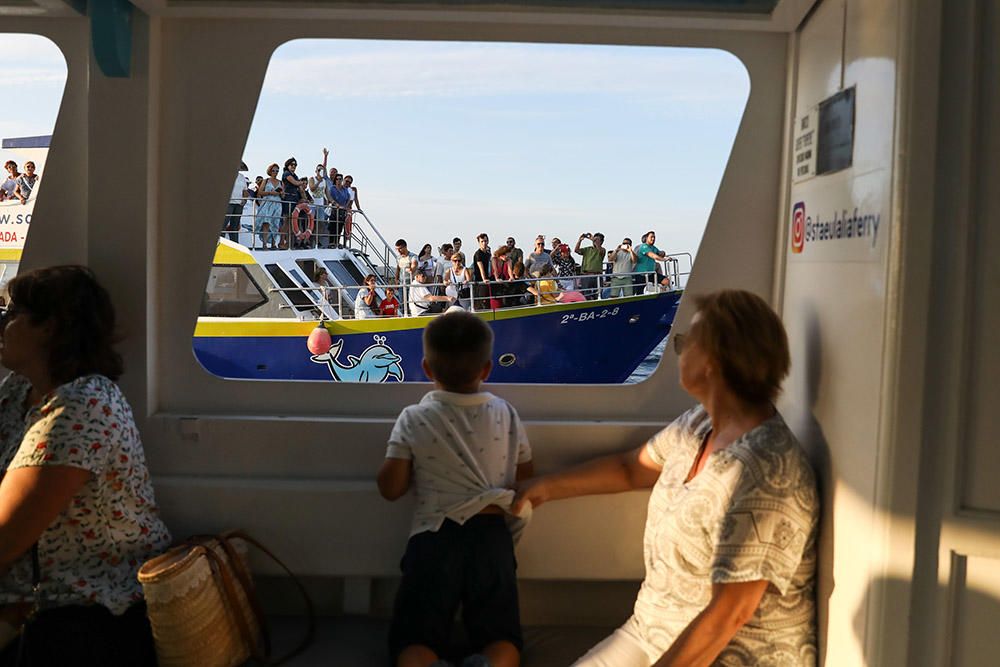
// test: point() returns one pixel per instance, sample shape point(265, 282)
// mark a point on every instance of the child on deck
point(463, 449)
point(389, 306)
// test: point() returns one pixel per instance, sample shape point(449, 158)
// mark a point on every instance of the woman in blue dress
point(269, 212)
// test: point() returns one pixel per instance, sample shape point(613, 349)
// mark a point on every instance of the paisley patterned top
point(750, 514)
point(92, 551)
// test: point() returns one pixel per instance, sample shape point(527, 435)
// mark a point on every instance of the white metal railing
point(355, 232)
point(329, 299)
point(358, 233)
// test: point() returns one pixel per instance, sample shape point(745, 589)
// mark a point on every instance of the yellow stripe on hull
point(218, 327)
point(230, 327)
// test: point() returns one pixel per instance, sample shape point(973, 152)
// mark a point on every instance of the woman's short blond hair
point(744, 335)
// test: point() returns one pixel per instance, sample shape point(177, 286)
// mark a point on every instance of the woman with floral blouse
point(730, 540)
point(77, 511)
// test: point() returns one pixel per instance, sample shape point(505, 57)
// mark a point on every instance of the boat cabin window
point(346, 274)
point(609, 156)
point(297, 296)
point(307, 265)
point(231, 292)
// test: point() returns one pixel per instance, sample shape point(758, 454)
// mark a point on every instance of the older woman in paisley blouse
point(77, 513)
point(730, 539)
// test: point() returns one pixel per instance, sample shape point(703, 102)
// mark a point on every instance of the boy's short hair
point(456, 347)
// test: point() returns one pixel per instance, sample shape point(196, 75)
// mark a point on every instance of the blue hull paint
point(599, 344)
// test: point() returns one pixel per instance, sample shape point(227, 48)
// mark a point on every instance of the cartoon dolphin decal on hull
point(376, 364)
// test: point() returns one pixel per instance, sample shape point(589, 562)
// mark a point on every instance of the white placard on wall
point(804, 153)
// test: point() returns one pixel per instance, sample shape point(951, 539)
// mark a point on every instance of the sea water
point(648, 365)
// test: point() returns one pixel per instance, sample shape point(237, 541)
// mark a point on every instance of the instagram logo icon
point(798, 227)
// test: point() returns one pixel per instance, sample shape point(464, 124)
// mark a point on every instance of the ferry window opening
point(435, 143)
point(34, 80)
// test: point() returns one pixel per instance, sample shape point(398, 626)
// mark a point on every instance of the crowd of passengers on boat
point(318, 211)
point(294, 212)
point(505, 277)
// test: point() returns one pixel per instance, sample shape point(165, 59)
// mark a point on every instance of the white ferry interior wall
point(892, 332)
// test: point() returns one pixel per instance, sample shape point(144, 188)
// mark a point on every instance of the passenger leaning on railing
point(458, 278)
point(389, 306)
point(366, 303)
point(649, 256)
point(26, 182)
point(406, 264)
point(425, 302)
point(545, 290)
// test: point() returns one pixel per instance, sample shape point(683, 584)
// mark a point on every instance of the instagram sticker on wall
point(798, 227)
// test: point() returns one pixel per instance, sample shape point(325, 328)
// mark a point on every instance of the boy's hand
point(529, 491)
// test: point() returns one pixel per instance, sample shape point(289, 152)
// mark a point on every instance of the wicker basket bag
point(203, 607)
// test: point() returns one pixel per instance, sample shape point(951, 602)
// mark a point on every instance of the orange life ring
point(305, 233)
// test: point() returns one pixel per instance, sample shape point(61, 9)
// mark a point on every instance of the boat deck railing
point(330, 302)
point(356, 232)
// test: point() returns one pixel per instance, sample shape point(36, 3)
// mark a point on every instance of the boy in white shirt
point(462, 449)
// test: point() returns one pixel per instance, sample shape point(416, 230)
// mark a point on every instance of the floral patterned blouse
point(750, 514)
point(92, 551)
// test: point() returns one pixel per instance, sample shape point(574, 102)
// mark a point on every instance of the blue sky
point(447, 139)
point(33, 83)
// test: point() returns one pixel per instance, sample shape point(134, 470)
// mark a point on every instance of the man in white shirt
point(423, 301)
point(406, 265)
point(241, 190)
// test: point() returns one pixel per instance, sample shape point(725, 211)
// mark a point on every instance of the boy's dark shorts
point(472, 564)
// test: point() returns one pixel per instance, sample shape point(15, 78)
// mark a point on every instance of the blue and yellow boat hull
point(592, 342)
